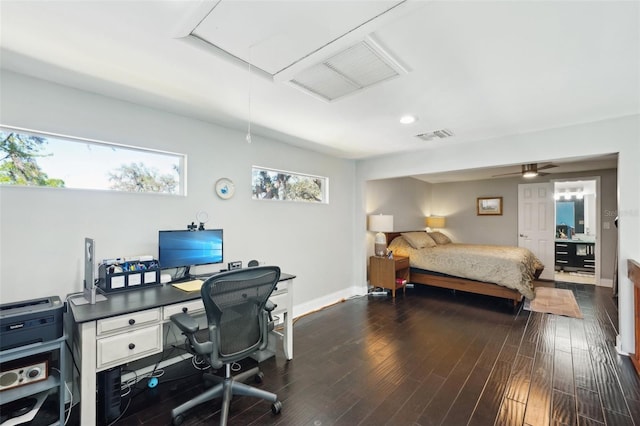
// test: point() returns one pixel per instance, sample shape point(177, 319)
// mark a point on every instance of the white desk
point(128, 326)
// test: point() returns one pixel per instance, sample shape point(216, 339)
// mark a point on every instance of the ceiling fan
point(530, 170)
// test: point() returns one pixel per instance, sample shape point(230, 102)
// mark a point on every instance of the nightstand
point(383, 272)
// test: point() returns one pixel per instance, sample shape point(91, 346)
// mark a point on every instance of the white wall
point(457, 201)
point(620, 135)
point(42, 229)
point(406, 199)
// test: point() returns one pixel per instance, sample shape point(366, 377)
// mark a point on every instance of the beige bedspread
point(511, 267)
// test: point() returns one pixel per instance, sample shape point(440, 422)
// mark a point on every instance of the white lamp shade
point(435, 221)
point(381, 223)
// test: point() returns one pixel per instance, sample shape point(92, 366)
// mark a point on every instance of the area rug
point(554, 301)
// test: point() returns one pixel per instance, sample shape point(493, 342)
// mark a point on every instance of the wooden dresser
point(633, 268)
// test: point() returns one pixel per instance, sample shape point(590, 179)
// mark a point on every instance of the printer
point(30, 321)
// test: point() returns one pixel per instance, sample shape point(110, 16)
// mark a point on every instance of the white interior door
point(536, 218)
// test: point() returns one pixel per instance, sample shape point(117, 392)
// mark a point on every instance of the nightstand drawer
point(402, 263)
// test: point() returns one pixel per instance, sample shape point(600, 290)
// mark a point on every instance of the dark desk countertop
point(137, 300)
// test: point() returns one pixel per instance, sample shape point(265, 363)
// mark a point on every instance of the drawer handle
point(132, 321)
point(131, 346)
point(185, 309)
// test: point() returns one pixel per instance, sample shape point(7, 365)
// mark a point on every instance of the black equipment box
point(30, 321)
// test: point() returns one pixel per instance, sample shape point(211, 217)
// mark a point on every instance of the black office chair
point(238, 325)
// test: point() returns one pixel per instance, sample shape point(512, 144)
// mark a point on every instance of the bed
point(499, 271)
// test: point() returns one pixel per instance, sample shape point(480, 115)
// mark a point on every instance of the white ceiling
point(482, 69)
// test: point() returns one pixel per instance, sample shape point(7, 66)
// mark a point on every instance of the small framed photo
point(487, 206)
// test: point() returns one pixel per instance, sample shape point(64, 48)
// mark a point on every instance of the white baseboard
point(324, 301)
point(605, 282)
point(619, 346)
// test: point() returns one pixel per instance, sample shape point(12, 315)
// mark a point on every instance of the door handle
point(524, 236)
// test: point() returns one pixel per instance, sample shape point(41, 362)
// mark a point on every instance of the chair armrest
point(270, 306)
point(185, 322)
point(189, 326)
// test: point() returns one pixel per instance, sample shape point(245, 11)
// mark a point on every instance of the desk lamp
point(380, 223)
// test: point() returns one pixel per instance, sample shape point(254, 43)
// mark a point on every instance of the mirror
point(571, 213)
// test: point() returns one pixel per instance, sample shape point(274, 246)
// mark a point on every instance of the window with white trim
point(30, 158)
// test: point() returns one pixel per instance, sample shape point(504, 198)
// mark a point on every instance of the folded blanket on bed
point(512, 267)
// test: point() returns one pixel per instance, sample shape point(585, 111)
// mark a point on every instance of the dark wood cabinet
point(574, 255)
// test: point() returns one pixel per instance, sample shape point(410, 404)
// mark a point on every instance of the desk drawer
point(127, 321)
point(281, 287)
point(126, 347)
point(281, 301)
point(192, 307)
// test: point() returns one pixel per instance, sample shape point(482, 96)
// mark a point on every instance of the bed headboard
point(391, 235)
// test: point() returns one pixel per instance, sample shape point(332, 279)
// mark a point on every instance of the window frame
point(324, 188)
point(181, 157)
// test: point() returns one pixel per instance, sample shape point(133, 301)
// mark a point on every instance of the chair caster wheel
point(276, 407)
point(177, 420)
point(259, 377)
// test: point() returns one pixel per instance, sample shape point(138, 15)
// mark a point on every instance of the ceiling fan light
point(529, 170)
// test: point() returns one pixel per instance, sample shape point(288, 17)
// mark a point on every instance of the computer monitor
point(184, 249)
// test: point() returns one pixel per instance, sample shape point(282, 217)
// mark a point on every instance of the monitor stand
point(186, 276)
point(88, 297)
point(90, 293)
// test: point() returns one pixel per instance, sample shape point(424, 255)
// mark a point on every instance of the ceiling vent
point(353, 69)
point(440, 134)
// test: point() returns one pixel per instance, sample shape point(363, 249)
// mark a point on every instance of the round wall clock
point(225, 188)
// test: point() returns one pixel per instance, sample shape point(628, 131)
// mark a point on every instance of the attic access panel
point(274, 35)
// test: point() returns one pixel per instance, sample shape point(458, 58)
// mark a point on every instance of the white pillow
point(418, 240)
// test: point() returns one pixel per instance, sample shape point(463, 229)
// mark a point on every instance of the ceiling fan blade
point(548, 166)
point(533, 167)
point(508, 174)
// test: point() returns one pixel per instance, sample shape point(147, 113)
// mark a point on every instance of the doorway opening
point(576, 239)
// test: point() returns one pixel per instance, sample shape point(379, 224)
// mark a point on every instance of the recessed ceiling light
point(408, 119)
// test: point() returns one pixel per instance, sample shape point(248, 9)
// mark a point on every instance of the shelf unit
point(55, 380)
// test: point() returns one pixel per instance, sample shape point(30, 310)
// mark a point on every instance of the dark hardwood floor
point(431, 357)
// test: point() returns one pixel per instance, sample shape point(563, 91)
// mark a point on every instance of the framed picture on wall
point(487, 206)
